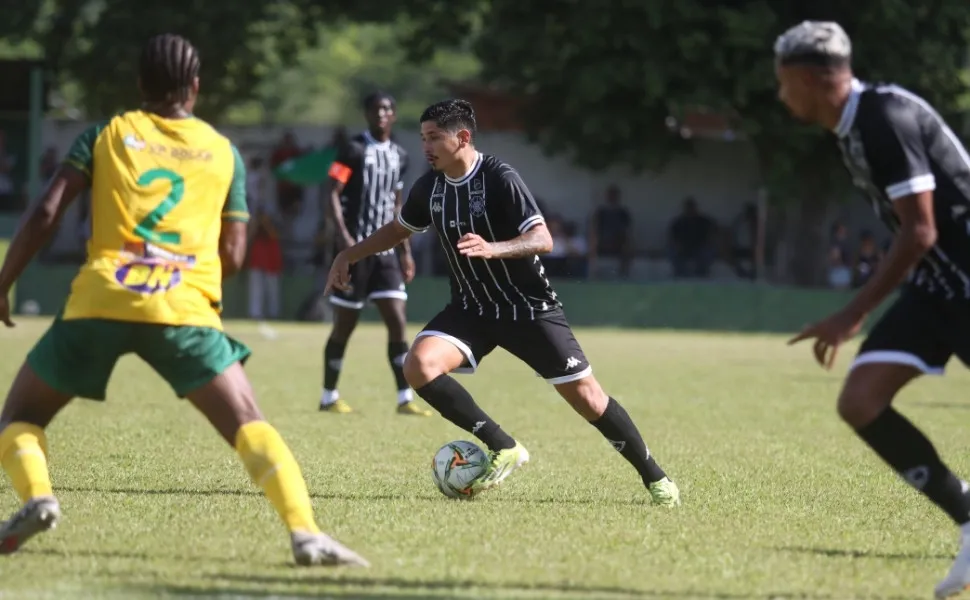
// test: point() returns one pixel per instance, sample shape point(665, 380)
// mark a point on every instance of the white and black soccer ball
point(456, 466)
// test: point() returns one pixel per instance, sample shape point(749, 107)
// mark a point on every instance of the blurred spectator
point(744, 232)
point(288, 195)
point(8, 187)
point(866, 260)
point(265, 252)
point(48, 166)
point(839, 271)
point(610, 231)
point(691, 242)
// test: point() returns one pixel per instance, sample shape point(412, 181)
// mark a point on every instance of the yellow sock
point(273, 468)
point(23, 454)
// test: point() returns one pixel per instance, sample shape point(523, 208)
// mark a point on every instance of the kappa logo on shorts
point(148, 277)
point(572, 363)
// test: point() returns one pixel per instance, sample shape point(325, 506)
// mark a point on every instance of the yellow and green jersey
point(160, 191)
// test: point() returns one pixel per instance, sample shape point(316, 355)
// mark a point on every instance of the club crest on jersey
point(148, 276)
point(476, 205)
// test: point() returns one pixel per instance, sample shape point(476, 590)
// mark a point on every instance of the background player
point(169, 206)
point(366, 184)
point(916, 174)
point(492, 233)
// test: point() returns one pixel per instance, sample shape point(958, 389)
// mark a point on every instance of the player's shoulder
point(425, 183)
point(891, 102)
point(495, 166)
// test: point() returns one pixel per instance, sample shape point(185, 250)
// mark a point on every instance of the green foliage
point(327, 82)
point(605, 80)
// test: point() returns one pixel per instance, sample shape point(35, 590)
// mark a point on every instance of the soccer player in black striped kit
point(915, 173)
point(366, 183)
point(492, 234)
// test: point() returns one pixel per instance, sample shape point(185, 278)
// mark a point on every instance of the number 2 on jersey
point(146, 229)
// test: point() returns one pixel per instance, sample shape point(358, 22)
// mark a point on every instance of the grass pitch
point(780, 499)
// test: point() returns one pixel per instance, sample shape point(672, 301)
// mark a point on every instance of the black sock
point(333, 358)
point(396, 353)
point(911, 454)
point(453, 401)
point(618, 429)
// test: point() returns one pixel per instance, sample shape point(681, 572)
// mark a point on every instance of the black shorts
point(373, 278)
point(546, 344)
point(921, 331)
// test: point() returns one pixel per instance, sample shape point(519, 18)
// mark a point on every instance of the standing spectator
point(265, 253)
point(840, 273)
point(866, 259)
point(610, 231)
point(288, 195)
point(744, 233)
point(691, 239)
point(8, 187)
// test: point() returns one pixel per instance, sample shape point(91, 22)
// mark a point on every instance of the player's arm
point(414, 217)
point(534, 237)
point(340, 172)
point(235, 221)
point(399, 202)
point(39, 222)
point(899, 163)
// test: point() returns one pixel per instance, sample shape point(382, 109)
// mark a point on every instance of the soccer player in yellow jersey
point(169, 213)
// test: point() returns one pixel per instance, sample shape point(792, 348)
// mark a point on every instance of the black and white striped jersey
point(895, 144)
point(372, 173)
point(491, 200)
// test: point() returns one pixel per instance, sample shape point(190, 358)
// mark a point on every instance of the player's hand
point(829, 334)
point(407, 267)
point(339, 277)
point(5, 310)
point(474, 246)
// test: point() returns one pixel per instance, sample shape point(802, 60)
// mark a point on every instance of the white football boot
point(37, 516)
point(319, 549)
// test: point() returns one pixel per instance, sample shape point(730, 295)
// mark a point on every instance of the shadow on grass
point(346, 496)
point(843, 553)
point(255, 586)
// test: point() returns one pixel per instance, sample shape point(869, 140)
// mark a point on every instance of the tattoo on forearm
point(528, 244)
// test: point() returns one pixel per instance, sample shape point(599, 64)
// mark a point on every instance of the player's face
point(795, 92)
point(441, 147)
point(381, 115)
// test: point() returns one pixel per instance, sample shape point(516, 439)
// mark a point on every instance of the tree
point(604, 80)
point(95, 43)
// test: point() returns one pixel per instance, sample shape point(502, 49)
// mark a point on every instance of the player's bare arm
point(36, 227)
point(407, 259)
point(337, 214)
point(915, 237)
point(385, 238)
point(232, 247)
point(534, 242)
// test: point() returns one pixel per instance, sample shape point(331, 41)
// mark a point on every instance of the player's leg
point(386, 290)
point(549, 346)
point(62, 365)
point(346, 313)
point(205, 366)
point(453, 342)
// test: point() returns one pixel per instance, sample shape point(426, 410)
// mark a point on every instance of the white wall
point(721, 175)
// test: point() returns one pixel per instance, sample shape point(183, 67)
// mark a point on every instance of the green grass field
point(781, 501)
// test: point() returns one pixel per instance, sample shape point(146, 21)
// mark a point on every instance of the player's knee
point(421, 367)
point(586, 396)
point(860, 404)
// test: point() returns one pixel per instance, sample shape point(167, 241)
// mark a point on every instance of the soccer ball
point(456, 466)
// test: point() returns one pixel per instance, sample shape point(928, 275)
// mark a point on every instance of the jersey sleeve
point(236, 208)
point(415, 213)
point(520, 205)
point(346, 163)
point(896, 151)
point(81, 154)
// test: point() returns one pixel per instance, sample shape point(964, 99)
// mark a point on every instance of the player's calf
point(871, 387)
point(587, 397)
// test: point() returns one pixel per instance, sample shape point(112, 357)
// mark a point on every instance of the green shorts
point(77, 357)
